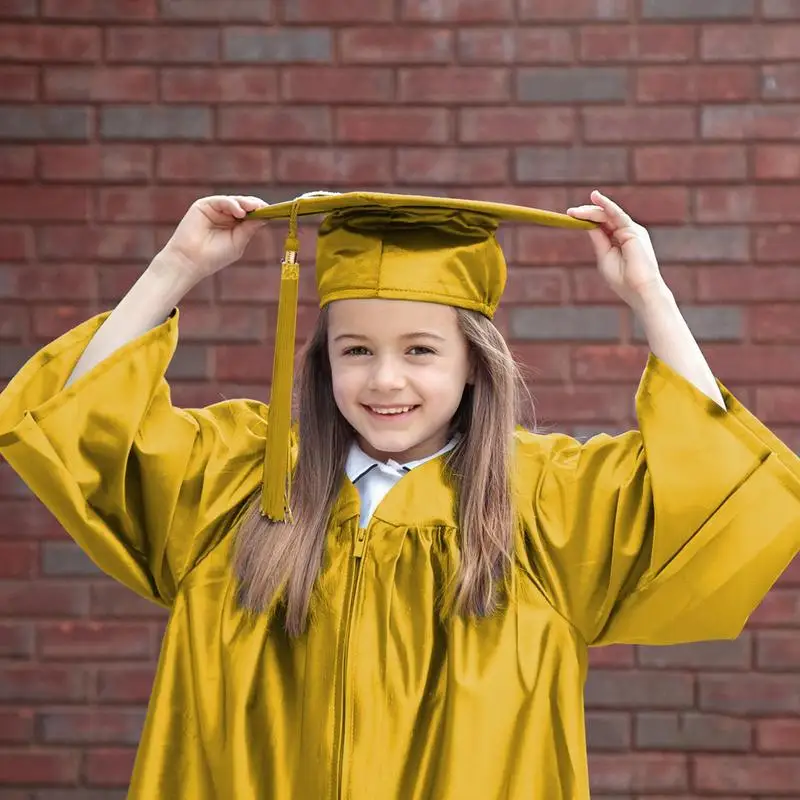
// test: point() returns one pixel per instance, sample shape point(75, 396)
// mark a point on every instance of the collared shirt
point(374, 478)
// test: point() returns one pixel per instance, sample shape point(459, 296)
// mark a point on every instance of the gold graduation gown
point(673, 533)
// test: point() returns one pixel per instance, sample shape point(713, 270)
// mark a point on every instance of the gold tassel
point(276, 493)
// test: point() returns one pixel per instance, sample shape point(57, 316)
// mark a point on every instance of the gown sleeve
point(144, 488)
point(672, 533)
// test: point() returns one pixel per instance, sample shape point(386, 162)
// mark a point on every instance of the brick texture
point(115, 115)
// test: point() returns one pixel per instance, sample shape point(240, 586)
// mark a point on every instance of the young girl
point(409, 616)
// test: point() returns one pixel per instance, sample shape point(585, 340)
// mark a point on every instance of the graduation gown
point(672, 533)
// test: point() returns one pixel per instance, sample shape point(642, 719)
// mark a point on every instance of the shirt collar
point(359, 463)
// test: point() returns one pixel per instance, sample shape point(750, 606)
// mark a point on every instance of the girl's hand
point(211, 235)
point(625, 255)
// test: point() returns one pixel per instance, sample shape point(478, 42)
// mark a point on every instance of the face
point(399, 368)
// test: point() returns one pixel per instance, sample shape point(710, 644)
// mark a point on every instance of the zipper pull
point(361, 541)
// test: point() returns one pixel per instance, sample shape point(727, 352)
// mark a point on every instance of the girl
point(410, 618)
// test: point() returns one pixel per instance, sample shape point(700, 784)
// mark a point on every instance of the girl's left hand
point(625, 255)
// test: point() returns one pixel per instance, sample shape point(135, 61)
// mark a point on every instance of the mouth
point(390, 412)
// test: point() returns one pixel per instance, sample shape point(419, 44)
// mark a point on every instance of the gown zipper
point(358, 552)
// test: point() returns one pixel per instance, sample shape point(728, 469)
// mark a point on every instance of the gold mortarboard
point(395, 246)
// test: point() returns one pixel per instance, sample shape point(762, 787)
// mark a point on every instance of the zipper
point(358, 552)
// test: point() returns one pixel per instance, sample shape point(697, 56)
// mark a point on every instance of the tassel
point(276, 492)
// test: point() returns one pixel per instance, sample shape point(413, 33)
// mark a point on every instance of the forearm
point(148, 303)
point(671, 340)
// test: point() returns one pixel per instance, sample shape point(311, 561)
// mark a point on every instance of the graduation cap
point(392, 246)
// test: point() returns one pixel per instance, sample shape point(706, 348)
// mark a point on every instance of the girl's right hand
point(211, 235)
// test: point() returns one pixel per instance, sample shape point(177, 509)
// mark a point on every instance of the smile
point(390, 411)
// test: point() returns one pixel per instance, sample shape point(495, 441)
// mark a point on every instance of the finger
point(249, 202)
point(601, 242)
point(591, 213)
point(225, 204)
point(616, 215)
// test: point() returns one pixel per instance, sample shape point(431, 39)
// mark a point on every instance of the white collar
point(359, 463)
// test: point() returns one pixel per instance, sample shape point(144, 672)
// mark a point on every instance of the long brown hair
point(279, 562)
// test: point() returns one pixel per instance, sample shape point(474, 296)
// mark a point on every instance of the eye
point(355, 351)
point(423, 350)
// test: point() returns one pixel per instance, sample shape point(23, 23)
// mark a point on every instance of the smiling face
point(399, 368)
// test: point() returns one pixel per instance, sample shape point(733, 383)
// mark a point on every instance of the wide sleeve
point(144, 488)
point(671, 533)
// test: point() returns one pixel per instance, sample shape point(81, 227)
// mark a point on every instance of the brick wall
point(116, 114)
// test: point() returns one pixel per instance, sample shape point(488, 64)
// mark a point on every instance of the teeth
point(398, 410)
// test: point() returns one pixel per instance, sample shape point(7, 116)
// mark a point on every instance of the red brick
point(14, 320)
point(90, 639)
point(49, 43)
point(42, 766)
point(105, 767)
point(742, 773)
point(779, 735)
point(690, 164)
point(453, 85)
point(395, 45)
point(452, 165)
point(290, 124)
point(752, 121)
point(116, 10)
point(457, 11)
point(576, 10)
point(334, 166)
point(59, 282)
point(17, 724)
point(400, 125)
point(776, 323)
point(626, 124)
point(779, 650)
point(179, 163)
point(776, 162)
point(747, 204)
point(749, 285)
point(44, 203)
point(650, 205)
point(513, 45)
point(73, 243)
point(147, 204)
point(17, 162)
point(91, 162)
point(16, 242)
point(517, 125)
point(150, 45)
point(780, 82)
point(749, 42)
point(19, 560)
point(695, 84)
point(219, 84)
point(640, 43)
point(301, 84)
point(778, 244)
point(114, 84)
point(535, 245)
point(18, 82)
point(309, 12)
point(646, 773)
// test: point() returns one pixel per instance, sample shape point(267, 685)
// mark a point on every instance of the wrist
point(655, 296)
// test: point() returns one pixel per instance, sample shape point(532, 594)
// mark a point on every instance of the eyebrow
point(413, 335)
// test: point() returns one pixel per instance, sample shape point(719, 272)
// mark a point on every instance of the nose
point(386, 374)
